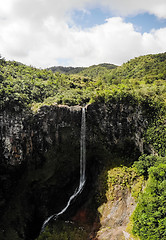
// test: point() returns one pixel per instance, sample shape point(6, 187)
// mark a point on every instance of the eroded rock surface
point(40, 157)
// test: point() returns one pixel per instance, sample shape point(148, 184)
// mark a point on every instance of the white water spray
point(82, 170)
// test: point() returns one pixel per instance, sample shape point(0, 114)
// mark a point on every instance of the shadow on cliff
point(50, 144)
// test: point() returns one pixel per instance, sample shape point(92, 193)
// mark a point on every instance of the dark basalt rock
point(39, 158)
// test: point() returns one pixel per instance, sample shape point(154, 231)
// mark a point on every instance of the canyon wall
point(39, 157)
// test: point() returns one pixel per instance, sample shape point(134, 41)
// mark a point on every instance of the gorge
point(42, 161)
point(40, 153)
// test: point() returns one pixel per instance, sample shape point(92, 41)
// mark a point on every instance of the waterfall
point(83, 150)
point(82, 170)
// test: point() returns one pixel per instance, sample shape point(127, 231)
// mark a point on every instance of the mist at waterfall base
point(82, 171)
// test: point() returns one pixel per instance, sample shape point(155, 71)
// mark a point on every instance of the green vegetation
point(145, 162)
point(66, 70)
point(29, 86)
point(87, 71)
point(139, 80)
point(156, 135)
point(64, 231)
point(126, 177)
point(149, 218)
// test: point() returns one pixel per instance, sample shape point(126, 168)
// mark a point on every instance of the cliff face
point(39, 158)
point(39, 161)
point(116, 124)
point(123, 188)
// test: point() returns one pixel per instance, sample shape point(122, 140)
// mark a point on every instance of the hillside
point(140, 77)
point(66, 70)
point(83, 70)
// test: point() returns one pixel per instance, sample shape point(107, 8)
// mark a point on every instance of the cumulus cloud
point(116, 42)
point(37, 32)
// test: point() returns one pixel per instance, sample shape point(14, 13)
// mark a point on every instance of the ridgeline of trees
point(142, 78)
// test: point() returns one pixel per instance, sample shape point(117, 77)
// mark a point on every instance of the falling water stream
point(82, 170)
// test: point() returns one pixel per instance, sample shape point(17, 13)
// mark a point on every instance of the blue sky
point(143, 22)
point(90, 18)
point(46, 33)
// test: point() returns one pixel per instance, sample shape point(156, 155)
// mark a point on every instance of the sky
point(45, 33)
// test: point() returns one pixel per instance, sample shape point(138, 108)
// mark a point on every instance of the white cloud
point(116, 42)
point(37, 32)
point(155, 41)
point(39, 9)
point(124, 8)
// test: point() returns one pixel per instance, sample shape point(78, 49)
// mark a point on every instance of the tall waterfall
point(83, 150)
point(82, 170)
